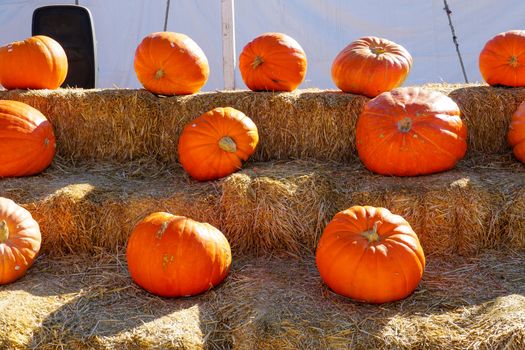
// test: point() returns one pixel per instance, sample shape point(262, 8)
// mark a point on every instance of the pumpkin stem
point(377, 50)
point(257, 62)
point(227, 144)
point(4, 231)
point(513, 61)
point(159, 74)
point(404, 125)
point(372, 234)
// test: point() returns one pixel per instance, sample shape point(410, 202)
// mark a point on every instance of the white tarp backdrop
point(322, 27)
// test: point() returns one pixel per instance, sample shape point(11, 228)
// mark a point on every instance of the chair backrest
point(72, 26)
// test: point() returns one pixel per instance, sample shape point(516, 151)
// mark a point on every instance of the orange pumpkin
point(215, 144)
point(28, 142)
point(516, 135)
point(38, 62)
point(410, 131)
point(272, 62)
point(502, 60)
point(168, 63)
point(19, 240)
point(175, 256)
point(370, 66)
point(370, 255)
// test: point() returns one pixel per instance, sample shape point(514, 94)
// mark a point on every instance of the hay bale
point(281, 207)
point(88, 208)
point(90, 302)
point(79, 302)
point(282, 305)
point(122, 125)
point(274, 206)
point(487, 112)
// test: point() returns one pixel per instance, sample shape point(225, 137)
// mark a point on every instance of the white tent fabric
point(322, 27)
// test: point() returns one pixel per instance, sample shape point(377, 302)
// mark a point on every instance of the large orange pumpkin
point(175, 256)
point(38, 62)
point(27, 141)
point(370, 66)
point(168, 63)
point(215, 144)
point(19, 240)
point(272, 62)
point(410, 131)
point(516, 135)
point(370, 255)
point(502, 60)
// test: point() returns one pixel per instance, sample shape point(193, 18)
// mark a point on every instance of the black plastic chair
point(72, 26)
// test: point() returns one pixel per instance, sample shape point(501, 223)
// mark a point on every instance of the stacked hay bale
point(117, 162)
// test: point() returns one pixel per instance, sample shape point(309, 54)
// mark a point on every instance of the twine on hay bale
point(83, 301)
point(122, 125)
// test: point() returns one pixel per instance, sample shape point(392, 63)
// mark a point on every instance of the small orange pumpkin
point(173, 256)
point(370, 66)
point(38, 62)
point(19, 240)
point(273, 62)
point(168, 63)
point(215, 144)
point(370, 255)
point(502, 59)
point(410, 131)
point(28, 142)
point(516, 135)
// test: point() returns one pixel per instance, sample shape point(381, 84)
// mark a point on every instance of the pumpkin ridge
point(394, 241)
point(211, 124)
point(204, 164)
point(441, 149)
point(377, 146)
point(48, 53)
point(195, 145)
point(341, 248)
point(199, 130)
point(149, 273)
point(23, 120)
point(165, 77)
point(400, 264)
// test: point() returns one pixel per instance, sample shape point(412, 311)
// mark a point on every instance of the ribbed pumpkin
point(19, 240)
point(174, 256)
point(370, 255)
point(273, 62)
point(502, 59)
point(27, 144)
point(38, 62)
point(516, 135)
point(168, 63)
point(370, 66)
point(410, 131)
point(215, 144)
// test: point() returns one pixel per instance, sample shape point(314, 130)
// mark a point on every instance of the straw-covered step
point(275, 206)
point(79, 302)
point(121, 125)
